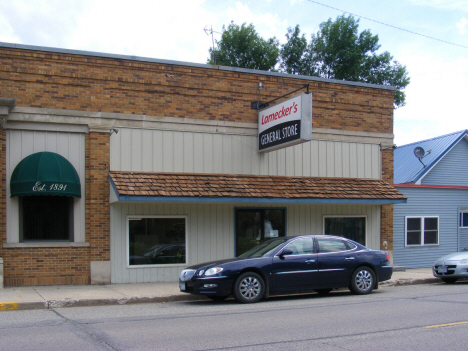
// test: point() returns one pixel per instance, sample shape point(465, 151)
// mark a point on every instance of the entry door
point(255, 226)
point(296, 271)
point(335, 262)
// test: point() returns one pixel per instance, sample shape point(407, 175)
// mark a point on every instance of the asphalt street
point(411, 317)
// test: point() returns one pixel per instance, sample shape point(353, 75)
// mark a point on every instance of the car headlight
point(464, 261)
point(213, 271)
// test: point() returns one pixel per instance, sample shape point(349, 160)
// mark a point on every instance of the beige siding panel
point(177, 151)
point(309, 219)
point(146, 158)
point(207, 238)
point(210, 232)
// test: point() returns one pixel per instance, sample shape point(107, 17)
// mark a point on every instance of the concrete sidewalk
point(44, 297)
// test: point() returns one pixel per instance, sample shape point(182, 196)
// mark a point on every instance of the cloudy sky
point(436, 57)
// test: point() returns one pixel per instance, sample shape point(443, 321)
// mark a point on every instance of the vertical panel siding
point(210, 232)
point(170, 151)
point(22, 143)
point(443, 203)
point(452, 169)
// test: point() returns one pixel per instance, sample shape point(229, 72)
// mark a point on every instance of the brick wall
point(97, 195)
point(386, 224)
point(75, 82)
point(46, 266)
point(2, 189)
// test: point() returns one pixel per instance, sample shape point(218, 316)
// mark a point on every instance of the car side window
point(331, 245)
point(301, 246)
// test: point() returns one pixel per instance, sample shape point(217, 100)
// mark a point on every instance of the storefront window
point(46, 218)
point(353, 228)
point(255, 226)
point(156, 241)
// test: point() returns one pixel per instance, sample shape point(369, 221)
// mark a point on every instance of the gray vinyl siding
point(463, 239)
point(445, 204)
point(203, 152)
point(210, 232)
point(452, 169)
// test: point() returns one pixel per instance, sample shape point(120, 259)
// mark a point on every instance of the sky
point(436, 58)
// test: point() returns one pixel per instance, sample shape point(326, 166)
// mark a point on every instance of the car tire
point(323, 292)
point(362, 281)
point(217, 297)
point(449, 280)
point(249, 287)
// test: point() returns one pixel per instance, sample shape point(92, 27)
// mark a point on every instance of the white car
point(452, 267)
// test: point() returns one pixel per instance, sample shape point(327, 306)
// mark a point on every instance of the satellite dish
point(419, 152)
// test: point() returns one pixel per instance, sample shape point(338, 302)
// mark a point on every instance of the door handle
point(310, 261)
point(349, 258)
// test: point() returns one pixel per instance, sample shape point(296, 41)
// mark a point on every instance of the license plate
point(442, 269)
point(182, 286)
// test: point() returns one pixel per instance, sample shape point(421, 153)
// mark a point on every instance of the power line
point(388, 25)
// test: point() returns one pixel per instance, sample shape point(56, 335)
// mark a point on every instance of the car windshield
point(264, 249)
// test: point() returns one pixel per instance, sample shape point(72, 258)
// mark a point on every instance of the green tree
point(241, 46)
point(293, 54)
point(339, 51)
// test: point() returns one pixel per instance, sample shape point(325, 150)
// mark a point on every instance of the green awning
point(45, 173)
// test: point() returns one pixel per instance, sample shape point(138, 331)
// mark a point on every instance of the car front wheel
point(362, 281)
point(249, 287)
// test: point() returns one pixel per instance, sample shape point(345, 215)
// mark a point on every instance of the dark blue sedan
point(311, 262)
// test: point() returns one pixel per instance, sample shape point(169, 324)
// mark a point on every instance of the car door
point(335, 262)
point(297, 270)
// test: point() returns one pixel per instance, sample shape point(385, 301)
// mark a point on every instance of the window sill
point(44, 244)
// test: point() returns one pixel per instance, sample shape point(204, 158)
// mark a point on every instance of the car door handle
point(310, 261)
point(349, 258)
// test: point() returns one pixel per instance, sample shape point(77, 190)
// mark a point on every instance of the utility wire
point(388, 25)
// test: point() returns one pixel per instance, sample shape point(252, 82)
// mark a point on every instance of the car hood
point(210, 264)
point(457, 256)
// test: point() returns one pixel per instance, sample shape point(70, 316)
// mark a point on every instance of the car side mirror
point(286, 252)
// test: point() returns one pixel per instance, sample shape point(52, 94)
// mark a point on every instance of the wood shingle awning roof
point(192, 187)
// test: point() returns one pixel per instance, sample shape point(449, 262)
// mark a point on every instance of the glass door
point(255, 226)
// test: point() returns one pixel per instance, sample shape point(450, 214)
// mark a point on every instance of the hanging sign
point(285, 124)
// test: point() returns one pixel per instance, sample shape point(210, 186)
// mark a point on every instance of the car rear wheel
point(362, 281)
point(449, 280)
point(249, 287)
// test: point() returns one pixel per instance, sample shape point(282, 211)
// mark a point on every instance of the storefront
point(122, 170)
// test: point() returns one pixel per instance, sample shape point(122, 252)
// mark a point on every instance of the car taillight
point(387, 257)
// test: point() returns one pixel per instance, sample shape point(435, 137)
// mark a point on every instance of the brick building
point(119, 169)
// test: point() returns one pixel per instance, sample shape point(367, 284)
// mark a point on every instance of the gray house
point(433, 175)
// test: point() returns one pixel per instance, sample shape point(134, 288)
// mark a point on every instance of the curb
point(410, 281)
point(51, 304)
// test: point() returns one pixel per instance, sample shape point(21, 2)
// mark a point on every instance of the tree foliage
point(339, 51)
point(336, 51)
point(241, 46)
point(293, 53)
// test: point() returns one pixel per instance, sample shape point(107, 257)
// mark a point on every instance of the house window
point(422, 231)
point(156, 240)
point(353, 228)
point(255, 226)
point(464, 219)
point(46, 218)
